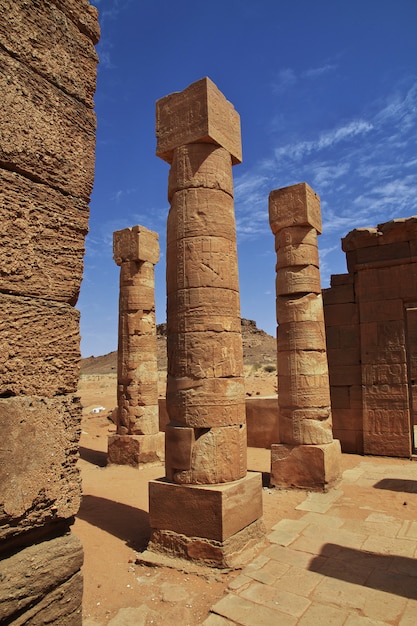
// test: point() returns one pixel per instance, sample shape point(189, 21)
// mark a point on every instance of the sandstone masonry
point(307, 456)
point(138, 440)
point(207, 508)
point(371, 329)
point(47, 148)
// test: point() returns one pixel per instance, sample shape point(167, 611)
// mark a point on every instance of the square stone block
point(47, 134)
point(135, 244)
point(210, 511)
point(39, 478)
point(40, 347)
point(313, 467)
point(198, 114)
point(136, 450)
point(42, 239)
point(297, 205)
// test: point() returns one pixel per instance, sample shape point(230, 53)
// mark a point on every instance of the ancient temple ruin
point(138, 441)
point(207, 508)
point(371, 322)
point(47, 127)
point(307, 455)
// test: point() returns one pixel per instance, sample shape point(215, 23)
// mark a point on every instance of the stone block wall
point(47, 144)
point(371, 329)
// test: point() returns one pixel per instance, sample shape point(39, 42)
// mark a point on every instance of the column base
point(313, 467)
point(136, 450)
point(214, 525)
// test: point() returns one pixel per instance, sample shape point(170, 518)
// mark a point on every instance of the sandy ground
point(114, 528)
point(113, 525)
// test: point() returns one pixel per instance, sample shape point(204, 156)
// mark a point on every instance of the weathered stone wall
point(47, 143)
point(371, 341)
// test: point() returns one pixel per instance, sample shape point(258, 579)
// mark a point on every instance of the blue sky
point(327, 94)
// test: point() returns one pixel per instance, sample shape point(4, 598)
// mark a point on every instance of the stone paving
point(350, 559)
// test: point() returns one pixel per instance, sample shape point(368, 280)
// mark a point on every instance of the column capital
point(297, 205)
point(198, 114)
point(135, 244)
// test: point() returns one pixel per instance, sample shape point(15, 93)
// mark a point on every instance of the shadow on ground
point(397, 484)
point(384, 572)
point(95, 457)
point(121, 520)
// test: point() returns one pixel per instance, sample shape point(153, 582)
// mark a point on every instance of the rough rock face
point(42, 239)
point(47, 130)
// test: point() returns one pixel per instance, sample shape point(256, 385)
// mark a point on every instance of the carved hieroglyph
point(136, 251)
point(206, 436)
point(303, 383)
point(371, 319)
point(198, 133)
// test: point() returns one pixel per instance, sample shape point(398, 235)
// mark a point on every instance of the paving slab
point(349, 560)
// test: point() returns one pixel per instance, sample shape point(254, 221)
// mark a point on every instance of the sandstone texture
point(39, 481)
point(303, 382)
point(47, 129)
point(42, 234)
point(136, 251)
point(371, 339)
point(205, 387)
point(58, 142)
point(42, 584)
point(198, 133)
point(198, 114)
point(40, 342)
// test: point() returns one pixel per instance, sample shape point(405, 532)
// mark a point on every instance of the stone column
point(138, 440)
point(308, 456)
point(207, 508)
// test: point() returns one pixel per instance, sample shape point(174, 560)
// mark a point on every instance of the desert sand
point(113, 523)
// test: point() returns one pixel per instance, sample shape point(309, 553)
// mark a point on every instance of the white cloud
point(327, 139)
point(286, 78)
point(318, 71)
point(324, 174)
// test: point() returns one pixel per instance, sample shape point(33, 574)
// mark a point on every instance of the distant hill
point(258, 348)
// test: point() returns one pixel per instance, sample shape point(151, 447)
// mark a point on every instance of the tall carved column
point(207, 508)
point(138, 440)
point(308, 456)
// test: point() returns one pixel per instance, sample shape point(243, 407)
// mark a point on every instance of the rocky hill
point(259, 348)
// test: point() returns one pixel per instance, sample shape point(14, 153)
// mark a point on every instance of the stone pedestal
point(308, 457)
point(198, 133)
point(136, 450)
point(138, 440)
point(314, 467)
point(206, 523)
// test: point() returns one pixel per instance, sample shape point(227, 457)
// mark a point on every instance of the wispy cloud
point(326, 139)
point(315, 72)
point(288, 77)
point(363, 169)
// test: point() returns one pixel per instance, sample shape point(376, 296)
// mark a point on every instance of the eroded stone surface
point(58, 143)
point(42, 584)
point(62, 54)
point(370, 316)
point(42, 234)
point(198, 132)
point(136, 250)
point(47, 129)
point(198, 114)
point(39, 479)
point(40, 344)
point(303, 382)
